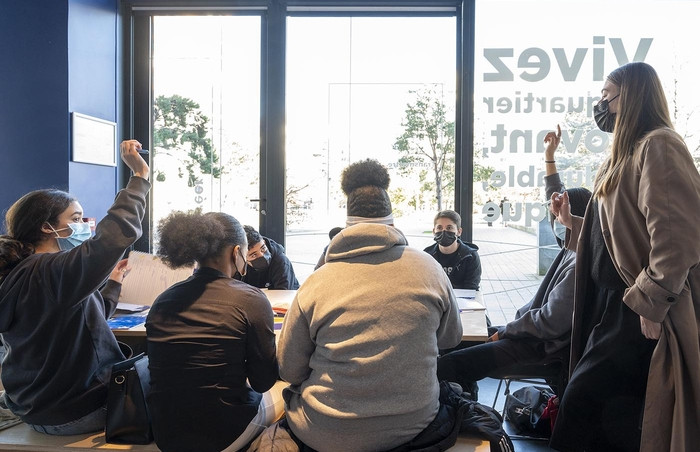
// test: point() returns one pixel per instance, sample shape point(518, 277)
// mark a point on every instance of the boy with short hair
point(459, 259)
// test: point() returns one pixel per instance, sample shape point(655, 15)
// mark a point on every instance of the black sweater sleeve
point(86, 267)
point(110, 295)
point(262, 367)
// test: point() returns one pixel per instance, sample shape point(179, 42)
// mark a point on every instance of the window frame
point(137, 102)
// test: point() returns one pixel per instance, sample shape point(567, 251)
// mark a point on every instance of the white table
point(473, 320)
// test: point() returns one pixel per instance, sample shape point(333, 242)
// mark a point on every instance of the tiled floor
point(509, 276)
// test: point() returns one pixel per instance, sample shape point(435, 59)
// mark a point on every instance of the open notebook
point(147, 278)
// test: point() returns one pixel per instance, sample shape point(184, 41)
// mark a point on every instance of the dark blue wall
point(92, 66)
point(58, 56)
point(34, 119)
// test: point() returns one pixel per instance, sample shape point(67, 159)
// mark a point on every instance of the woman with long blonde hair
point(635, 350)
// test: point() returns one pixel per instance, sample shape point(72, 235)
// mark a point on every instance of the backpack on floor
point(524, 408)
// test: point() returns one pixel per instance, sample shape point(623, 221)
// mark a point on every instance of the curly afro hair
point(189, 237)
point(365, 183)
point(364, 173)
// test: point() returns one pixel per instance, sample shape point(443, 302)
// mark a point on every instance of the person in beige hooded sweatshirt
point(647, 208)
point(360, 341)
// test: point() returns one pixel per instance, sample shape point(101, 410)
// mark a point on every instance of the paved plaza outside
point(508, 259)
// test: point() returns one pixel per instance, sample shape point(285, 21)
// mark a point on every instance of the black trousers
point(469, 365)
point(603, 404)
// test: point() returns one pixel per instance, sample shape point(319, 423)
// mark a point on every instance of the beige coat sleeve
point(669, 200)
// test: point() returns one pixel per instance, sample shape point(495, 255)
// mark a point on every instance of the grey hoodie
point(360, 343)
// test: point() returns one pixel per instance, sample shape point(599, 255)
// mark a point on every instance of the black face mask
point(603, 118)
point(445, 238)
point(262, 262)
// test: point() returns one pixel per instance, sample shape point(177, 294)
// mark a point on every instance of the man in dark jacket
point(268, 266)
point(460, 260)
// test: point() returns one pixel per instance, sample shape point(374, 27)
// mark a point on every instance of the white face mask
point(559, 230)
point(245, 264)
point(79, 233)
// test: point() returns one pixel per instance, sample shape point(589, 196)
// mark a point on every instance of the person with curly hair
point(360, 341)
point(210, 341)
point(60, 349)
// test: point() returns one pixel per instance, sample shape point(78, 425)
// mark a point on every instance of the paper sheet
point(469, 305)
point(466, 300)
point(465, 293)
point(128, 307)
point(148, 278)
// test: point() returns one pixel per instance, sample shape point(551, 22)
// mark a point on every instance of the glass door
point(206, 115)
point(367, 87)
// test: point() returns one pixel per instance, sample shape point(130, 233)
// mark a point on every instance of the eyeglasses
point(604, 104)
point(257, 253)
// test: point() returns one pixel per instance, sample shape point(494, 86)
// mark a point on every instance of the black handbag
point(524, 408)
point(128, 420)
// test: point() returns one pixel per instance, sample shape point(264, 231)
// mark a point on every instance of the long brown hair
point(642, 108)
point(23, 223)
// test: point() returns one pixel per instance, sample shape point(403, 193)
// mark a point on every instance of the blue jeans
point(91, 422)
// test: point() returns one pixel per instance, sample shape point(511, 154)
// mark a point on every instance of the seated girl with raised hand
point(211, 342)
point(53, 319)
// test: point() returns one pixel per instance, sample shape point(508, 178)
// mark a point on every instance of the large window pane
point(542, 64)
point(357, 88)
point(206, 123)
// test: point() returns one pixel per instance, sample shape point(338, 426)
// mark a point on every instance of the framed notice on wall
point(93, 140)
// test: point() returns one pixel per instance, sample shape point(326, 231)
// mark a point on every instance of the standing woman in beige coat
point(646, 210)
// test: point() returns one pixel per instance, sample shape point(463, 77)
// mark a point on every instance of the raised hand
point(560, 208)
point(552, 139)
point(130, 155)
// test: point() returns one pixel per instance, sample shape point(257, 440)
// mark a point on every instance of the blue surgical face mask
point(559, 230)
point(79, 233)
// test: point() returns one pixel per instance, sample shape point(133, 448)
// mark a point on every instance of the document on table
point(466, 300)
point(147, 278)
point(129, 307)
point(127, 321)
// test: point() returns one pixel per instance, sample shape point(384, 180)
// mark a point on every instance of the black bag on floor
point(524, 408)
point(477, 419)
point(128, 419)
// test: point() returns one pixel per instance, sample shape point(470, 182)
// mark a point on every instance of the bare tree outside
point(428, 140)
point(427, 147)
